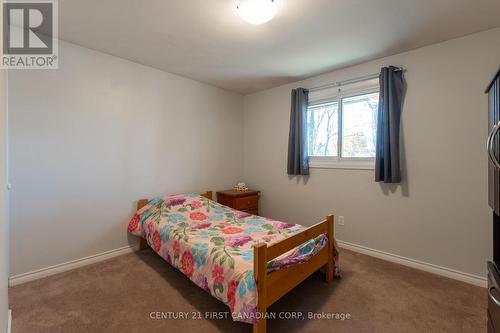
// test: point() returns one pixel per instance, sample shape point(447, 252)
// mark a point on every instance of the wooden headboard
point(143, 202)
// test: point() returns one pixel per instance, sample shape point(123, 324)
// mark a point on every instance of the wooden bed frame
point(272, 286)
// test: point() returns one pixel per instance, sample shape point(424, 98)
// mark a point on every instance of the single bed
point(246, 261)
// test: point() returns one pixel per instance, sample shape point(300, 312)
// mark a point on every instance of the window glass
point(322, 129)
point(359, 125)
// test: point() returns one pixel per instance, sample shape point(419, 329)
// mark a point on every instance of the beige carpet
point(118, 295)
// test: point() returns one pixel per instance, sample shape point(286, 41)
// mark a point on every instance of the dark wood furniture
point(493, 145)
point(246, 201)
point(493, 92)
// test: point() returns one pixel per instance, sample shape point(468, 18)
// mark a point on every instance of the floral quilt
point(213, 246)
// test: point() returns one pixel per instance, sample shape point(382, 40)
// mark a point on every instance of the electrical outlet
point(341, 220)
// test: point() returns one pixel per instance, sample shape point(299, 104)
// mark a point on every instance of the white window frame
point(338, 162)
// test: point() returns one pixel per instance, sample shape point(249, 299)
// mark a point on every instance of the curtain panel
point(298, 162)
point(387, 158)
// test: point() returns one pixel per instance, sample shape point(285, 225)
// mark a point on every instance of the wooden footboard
point(272, 286)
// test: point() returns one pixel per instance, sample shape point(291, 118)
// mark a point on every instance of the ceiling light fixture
point(257, 11)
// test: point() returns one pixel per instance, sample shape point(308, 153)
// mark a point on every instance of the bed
point(246, 261)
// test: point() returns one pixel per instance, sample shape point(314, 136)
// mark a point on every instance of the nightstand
point(246, 201)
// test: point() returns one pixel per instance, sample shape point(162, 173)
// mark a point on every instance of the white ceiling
point(207, 41)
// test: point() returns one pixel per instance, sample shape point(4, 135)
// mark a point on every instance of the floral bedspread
point(213, 246)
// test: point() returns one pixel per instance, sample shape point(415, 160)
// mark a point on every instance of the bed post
point(143, 244)
point(260, 273)
point(330, 234)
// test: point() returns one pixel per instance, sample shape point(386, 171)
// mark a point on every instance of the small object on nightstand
point(241, 187)
point(245, 201)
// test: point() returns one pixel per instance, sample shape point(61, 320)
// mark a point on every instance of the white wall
point(439, 214)
point(91, 138)
point(4, 226)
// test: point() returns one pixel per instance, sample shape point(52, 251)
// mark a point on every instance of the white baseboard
point(47, 271)
point(9, 321)
point(431, 268)
point(439, 270)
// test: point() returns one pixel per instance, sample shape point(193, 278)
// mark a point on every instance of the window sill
point(344, 163)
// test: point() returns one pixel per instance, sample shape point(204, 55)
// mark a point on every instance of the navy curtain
point(392, 89)
point(298, 163)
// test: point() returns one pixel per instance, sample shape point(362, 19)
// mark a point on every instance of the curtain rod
point(350, 81)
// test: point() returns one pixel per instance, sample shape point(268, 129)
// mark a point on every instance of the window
point(342, 128)
point(322, 129)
